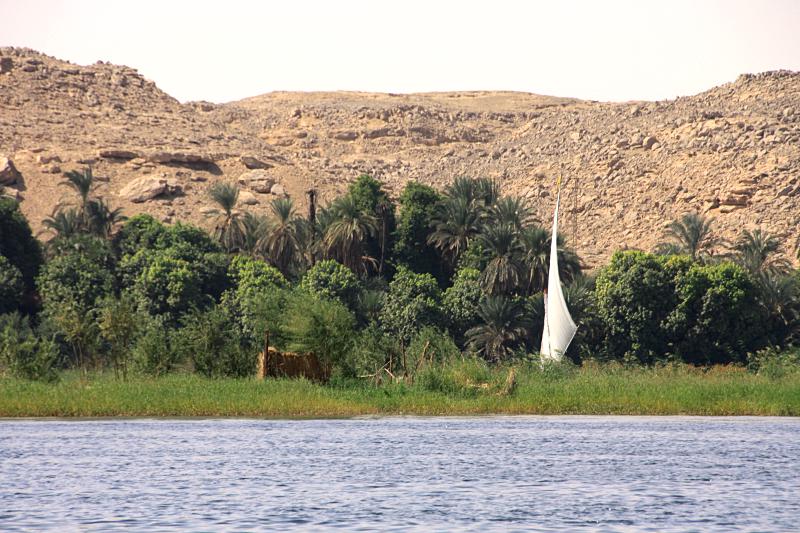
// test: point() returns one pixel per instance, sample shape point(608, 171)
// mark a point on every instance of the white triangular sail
point(559, 328)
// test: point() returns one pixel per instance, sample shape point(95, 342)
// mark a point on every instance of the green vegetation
point(464, 388)
point(434, 303)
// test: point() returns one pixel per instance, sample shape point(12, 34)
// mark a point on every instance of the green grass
point(466, 388)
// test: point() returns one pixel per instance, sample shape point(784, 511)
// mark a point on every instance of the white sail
point(559, 328)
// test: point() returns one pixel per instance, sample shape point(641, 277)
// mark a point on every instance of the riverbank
point(463, 389)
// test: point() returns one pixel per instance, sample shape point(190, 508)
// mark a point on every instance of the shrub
point(75, 280)
point(76, 327)
point(469, 377)
point(153, 352)
point(17, 243)
point(635, 294)
point(12, 287)
point(370, 352)
point(26, 355)
point(429, 346)
point(323, 327)
point(717, 319)
point(119, 325)
point(143, 232)
point(413, 301)
point(214, 341)
point(332, 280)
point(167, 285)
point(461, 302)
point(249, 274)
point(418, 206)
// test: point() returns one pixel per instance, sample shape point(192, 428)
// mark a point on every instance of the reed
point(460, 388)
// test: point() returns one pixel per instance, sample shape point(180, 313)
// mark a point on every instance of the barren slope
point(733, 151)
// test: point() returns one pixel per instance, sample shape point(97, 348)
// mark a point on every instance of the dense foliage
point(373, 289)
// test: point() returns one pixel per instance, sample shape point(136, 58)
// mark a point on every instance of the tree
point(756, 252)
point(282, 235)
point(461, 302)
point(228, 228)
point(368, 195)
point(17, 243)
point(503, 272)
point(119, 325)
point(75, 280)
point(535, 242)
point(249, 274)
point(65, 222)
point(418, 207)
point(413, 301)
point(456, 224)
point(690, 235)
point(716, 319)
point(166, 284)
point(511, 210)
point(12, 288)
point(347, 234)
point(101, 219)
point(501, 330)
point(82, 183)
point(331, 280)
point(635, 294)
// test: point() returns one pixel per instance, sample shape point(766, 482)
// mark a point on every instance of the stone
point(257, 180)
point(6, 64)
point(247, 198)
point(113, 153)
point(344, 135)
point(45, 159)
point(253, 163)
point(9, 175)
point(144, 188)
point(181, 158)
point(51, 169)
point(278, 190)
point(649, 142)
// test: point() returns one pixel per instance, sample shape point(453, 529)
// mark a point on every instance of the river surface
point(426, 474)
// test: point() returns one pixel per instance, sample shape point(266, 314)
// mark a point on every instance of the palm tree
point(64, 222)
point(347, 232)
point(280, 243)
point(690, 235)
point(82, 183)
point(503, 272)
point(487, 191)
point(502, 329)
point(511, 210)
point(101, 219)
point(254, 227)
point(455, 226)
point(778, 295)
point(756, 252)
point(536, 258)
point(228, 227)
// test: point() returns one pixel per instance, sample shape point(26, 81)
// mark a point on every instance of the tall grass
point(460, 388)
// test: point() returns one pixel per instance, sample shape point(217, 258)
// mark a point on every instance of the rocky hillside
point(732, 152)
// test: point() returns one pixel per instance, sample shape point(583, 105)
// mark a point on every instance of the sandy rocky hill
point(732, 152)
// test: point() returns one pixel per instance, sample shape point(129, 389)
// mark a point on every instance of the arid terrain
point(732, 152)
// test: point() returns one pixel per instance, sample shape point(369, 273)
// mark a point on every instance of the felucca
point(559, 328)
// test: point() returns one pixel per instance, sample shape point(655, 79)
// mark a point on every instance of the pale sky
point(232, 49)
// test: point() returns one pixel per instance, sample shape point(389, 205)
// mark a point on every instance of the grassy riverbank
point(462, 389)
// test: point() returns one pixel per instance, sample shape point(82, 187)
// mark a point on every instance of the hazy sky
point(226, 50)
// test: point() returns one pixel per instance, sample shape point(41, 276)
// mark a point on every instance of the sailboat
point(559, 328)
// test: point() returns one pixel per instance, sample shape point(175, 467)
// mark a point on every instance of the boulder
point(344, 135)
point(257, 180)
point(181, 158)
point(649, 142)
point(247, 198)
point(43, 159)
point(143, 189)
point(113, 153)
point(8, 172)
point(253, 163)
point(278, 190)
point(6, 64)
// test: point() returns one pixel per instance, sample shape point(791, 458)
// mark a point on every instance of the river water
point(427, 474)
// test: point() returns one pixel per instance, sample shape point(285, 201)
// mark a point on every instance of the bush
point(249, 274)
point(75, 280)
point(332, 280)
point(119, 325)
point(322, 327)
point(167, 286)
point(215, 343)
point(26, 355)
point(430, 346)
point(143, 232)
point(153, 352)
point(635, 294)
point(418, 205)
point(469, 377)
point(17, 243)
point(413, 301)
point(371, 351)
point(461, 302)
point(774, 363)
point(717, 319)
point(12, 287)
